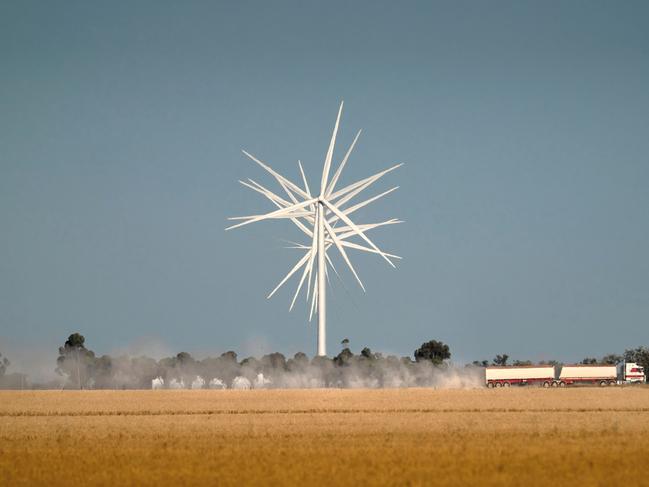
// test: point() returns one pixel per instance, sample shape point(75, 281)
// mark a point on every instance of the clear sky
point(523, 126)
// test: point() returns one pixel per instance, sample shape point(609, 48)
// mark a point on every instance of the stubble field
point(527, 437)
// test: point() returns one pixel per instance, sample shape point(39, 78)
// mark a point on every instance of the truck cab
point(631, 372)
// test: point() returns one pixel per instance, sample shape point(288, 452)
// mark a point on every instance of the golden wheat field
point(525, 437)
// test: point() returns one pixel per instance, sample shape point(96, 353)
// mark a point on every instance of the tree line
point(81, 368)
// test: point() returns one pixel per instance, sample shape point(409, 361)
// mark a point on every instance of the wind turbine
point(318, 216)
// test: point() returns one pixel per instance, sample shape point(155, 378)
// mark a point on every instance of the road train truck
point(564, 375)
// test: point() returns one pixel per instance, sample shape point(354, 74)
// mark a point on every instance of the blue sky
point(523, 126)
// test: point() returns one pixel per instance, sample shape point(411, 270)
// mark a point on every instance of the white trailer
point(604, 375)
point(630, 373)
point(505, 376)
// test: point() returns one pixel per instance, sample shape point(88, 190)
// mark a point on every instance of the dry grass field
point(528, 437)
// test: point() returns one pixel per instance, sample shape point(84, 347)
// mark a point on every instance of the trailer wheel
point(612, 383)
point(506, 384)
point(562, 384)
point(498, 384)
point(555, 384)
point(490, 385)
point(546, 384)
point(603, 383)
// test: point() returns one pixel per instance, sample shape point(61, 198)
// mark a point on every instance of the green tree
point(301, 358)
point(229, 356)
point(273, 362)
point(520, 363)
point(501, 359)
point(433, 351)
point(367, 353)
point(75, 361)
point(146, 369)
point(184, 358)
point(344, 358)
point(103, 372)
point(612, 359)
point(298, 363)
point(550, 362)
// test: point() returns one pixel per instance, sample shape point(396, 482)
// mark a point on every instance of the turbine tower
point(318, 217)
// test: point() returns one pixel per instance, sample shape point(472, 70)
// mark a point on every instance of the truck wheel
point(562, 384)
point(498, 384)
point(506, 384)
point(546, 384)
point(602, 383)
point(612, 383)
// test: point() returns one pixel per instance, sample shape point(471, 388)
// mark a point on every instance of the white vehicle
point(604, 375)
point(505, 376)
point(630, 372)
point(564, 375)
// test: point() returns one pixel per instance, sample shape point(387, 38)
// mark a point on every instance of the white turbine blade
point(297, 246)
point(339, 171)
point(279, 202)
point(290, 214)
point(341, 249)
point(265, 192)
point(353, 245)
point(355, 185)
point(359, 232)
point(288, 192)
point(344, 232)
point(273, 214)
point(331, 263)
point(306, 185)
point(276, 200)
point(330, 152)
point(308, 282)
point(307, 269)
point(282, 182)
point(360, 188)
point(314, 300)
point(328, 244)
point(356, 191)
point(368, 226)
point(281, 179)
point(299, 264)
point(358, 206)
